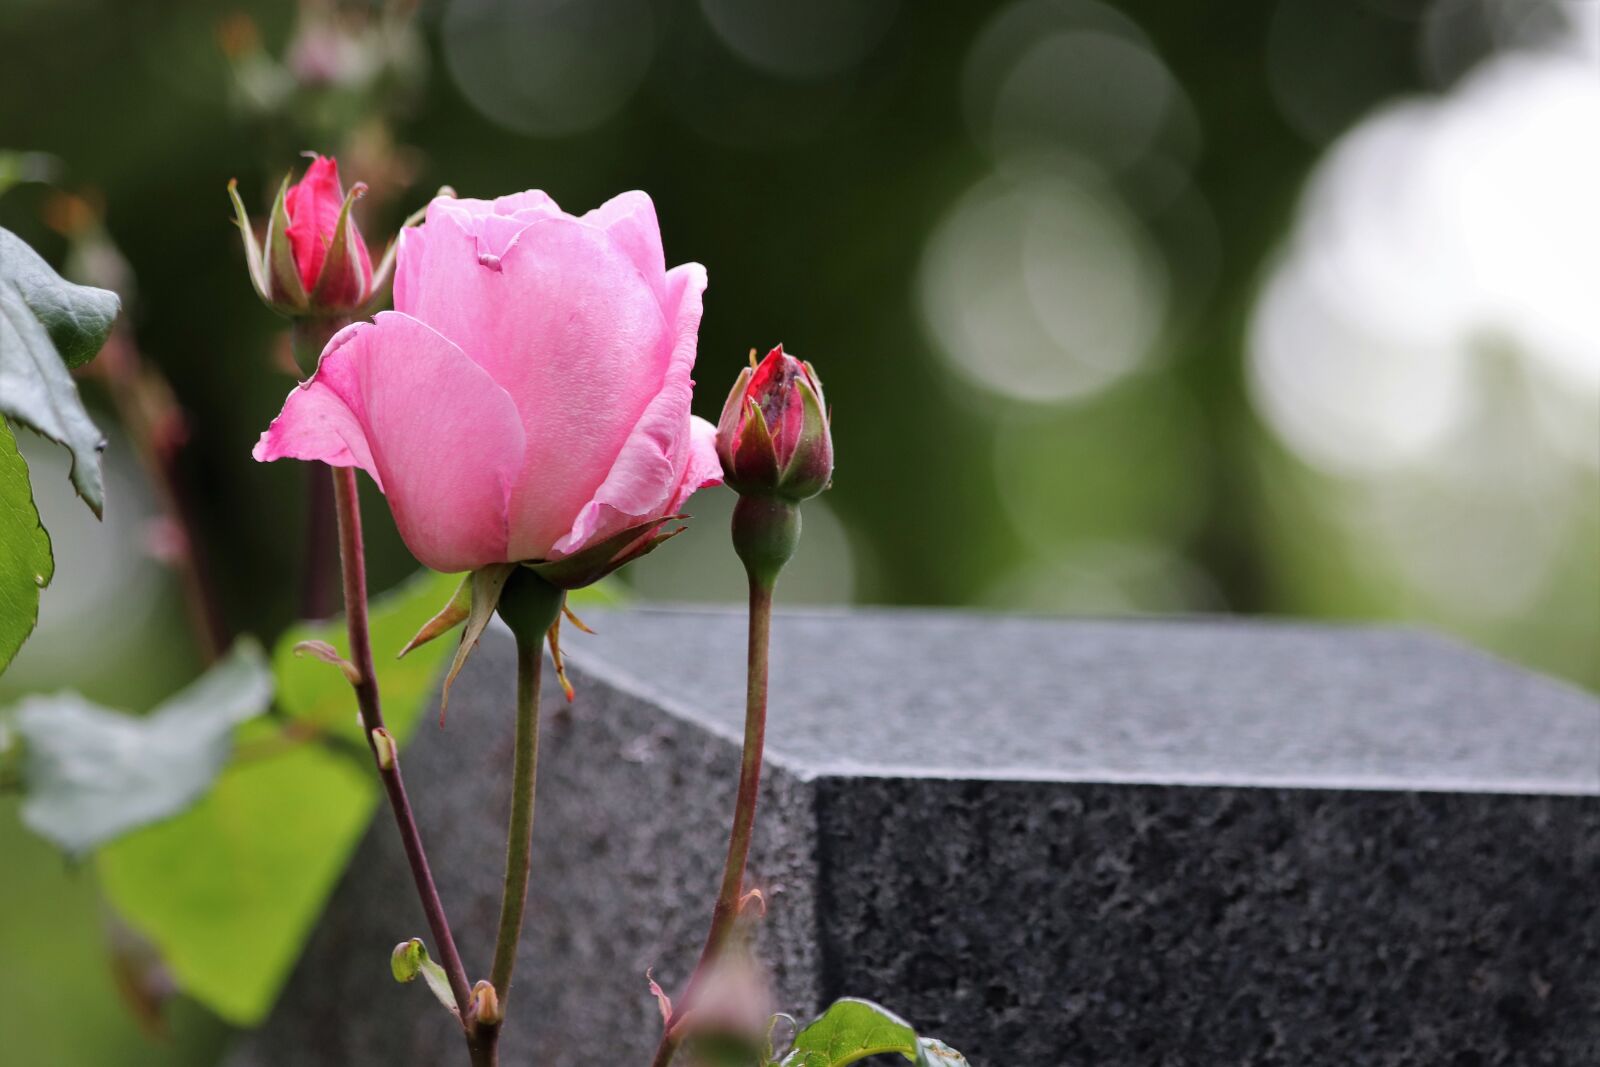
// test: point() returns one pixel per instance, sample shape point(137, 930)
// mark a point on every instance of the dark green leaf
point(48, 324)
point(78, 318)
point(26, 565)
point(230, 889)
point(92, 774)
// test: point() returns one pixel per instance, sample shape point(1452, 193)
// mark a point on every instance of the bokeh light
point(1079, 78)
point(700, 566)
point(1429, 337)
point(548, 67)
point(816, 39)
point(1039, 286)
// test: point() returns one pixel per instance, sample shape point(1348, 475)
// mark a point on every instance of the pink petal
point(630, 219)
point(440, 438)
point(313, 204)
point(559, 315)
point(652, 466)
point(703, 470)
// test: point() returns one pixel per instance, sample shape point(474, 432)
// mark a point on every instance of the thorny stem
point(352, 556)
point(726, 912)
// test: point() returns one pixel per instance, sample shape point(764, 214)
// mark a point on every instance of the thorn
point(754, 898)
point(561, 666)
point(572, 617)
point(663, 1001)
point(328, 654)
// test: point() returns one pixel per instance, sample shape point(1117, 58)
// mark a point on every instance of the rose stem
point(744, 810)
point(519, 831)
point(353, 558)
point(530, 606)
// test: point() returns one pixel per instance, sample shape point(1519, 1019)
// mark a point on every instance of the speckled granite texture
point(1108, 844)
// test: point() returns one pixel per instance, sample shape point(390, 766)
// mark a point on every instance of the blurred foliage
point(810, 195)
point(230, 910)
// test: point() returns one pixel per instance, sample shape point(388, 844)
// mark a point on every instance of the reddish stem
point(353, 557)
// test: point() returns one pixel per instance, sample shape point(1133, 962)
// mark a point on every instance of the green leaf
point(410, 961)
point(26, 565)
point(47, 325)
point(230, 890)
point(853, 1029)
point(92, 774)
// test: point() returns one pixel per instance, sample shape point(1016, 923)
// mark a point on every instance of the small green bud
point(407, 959)
point(384, 747)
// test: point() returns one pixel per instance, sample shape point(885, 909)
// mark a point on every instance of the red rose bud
point(773, 437)
point(315, 263)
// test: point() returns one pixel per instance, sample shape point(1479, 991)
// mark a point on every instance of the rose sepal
point(342, 283)
point(810, 468)
point(286, 293)
point(589, 565)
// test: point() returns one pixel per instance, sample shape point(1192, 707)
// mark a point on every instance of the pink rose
point(314, 204)
point(314, 262)
point(774, 436)
point(528, 398)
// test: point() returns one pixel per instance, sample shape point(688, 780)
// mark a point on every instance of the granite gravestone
point(1051, 842)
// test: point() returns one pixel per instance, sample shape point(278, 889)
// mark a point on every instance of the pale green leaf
point(230, 890)
point(92, 774)
point(410, 961)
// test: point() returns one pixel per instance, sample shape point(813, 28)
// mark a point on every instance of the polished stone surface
point(1099, 843)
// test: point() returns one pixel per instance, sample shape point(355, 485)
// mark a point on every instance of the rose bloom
point(529, 395)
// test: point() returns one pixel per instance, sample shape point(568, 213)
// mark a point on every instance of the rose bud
point(315, 264)
point(773, 437)
point(527, 401)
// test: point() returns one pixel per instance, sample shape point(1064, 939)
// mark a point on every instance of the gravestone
point(1048, 842)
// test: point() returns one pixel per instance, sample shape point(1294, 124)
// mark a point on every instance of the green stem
point(726, 912)
point(519, 834)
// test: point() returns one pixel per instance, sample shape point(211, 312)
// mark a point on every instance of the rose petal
point(440, 438)
point(561, 318)
point(313, 204)
point(630, 219)
point(650, 468)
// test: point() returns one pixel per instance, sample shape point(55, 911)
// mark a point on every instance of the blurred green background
point(1277, 306)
